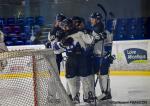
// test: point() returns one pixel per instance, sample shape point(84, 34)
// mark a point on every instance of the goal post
point(31, 78)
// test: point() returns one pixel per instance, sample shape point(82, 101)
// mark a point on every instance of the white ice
point(123, 88)
point(126, 89)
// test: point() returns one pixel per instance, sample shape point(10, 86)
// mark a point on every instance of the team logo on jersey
point(135, 55)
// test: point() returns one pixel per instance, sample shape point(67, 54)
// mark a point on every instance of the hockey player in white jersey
point(3, 48)
point(103, 58)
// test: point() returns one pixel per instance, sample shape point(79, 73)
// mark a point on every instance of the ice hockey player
point(76, 43)
point(79, 24)
point(103, 58)
point(55, 36)
point(3, 48)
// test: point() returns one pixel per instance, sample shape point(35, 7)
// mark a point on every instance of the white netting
point(31, 78)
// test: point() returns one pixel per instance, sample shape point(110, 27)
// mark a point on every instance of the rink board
point(125, 87)
point(131, 55)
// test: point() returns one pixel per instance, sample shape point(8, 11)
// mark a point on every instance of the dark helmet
point(60, 17)
point(67, 23)
point(96, 15)
point(77, 19)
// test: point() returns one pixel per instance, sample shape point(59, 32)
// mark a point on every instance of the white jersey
point(56, 47)
point(99, 46)
point(83, 39)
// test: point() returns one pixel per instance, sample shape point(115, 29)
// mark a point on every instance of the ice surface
point(126, 91)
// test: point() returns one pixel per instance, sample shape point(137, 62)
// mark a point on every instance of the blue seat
point(120, 30)
point(131, 21)
point(6, 29)
point(140, 21)
point(14, 38)
point(11, 21)
point(20, 21)
point(16, 29)
point(24, 36)
point(36, 29)
point(29, 21)
point(121, 22)
point(120, 35)
point(131, 32)
point(28, 42)
point(19, 43)
point(9, 43)
point(27, 29)
point(109, 25)
point(2, 22)
point(39, 20)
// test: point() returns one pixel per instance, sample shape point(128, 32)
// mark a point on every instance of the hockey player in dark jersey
point(79, 25)
point(102, 56)
point(76, 46)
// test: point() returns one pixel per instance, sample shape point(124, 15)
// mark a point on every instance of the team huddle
point(87, 52)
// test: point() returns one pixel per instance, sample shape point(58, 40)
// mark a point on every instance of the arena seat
point(109, 25)
point(29, 21)
point(9, 43)
point(18, 42)
point(26, 29)
point(20, 21)
point(2, 21)
point(17, 29)
point(39, 20)
point(28, 42)
point(36, 29)
point(131, 28)
point(6, 29)
point(11, 21)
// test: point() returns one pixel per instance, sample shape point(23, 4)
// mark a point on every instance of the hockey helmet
point(60, 17)
point(77, 19)
point(67, 23)
point(96, 15)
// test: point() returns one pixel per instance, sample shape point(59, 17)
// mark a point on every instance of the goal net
point(30, 78)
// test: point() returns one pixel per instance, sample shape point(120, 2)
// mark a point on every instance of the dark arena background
point(26, 24)
point(27, 14)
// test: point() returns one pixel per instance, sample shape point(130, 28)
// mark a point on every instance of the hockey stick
point(105, 19)
point(113, 17)
point(105, 13)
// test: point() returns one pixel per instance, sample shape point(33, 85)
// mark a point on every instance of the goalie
point(3, 48)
